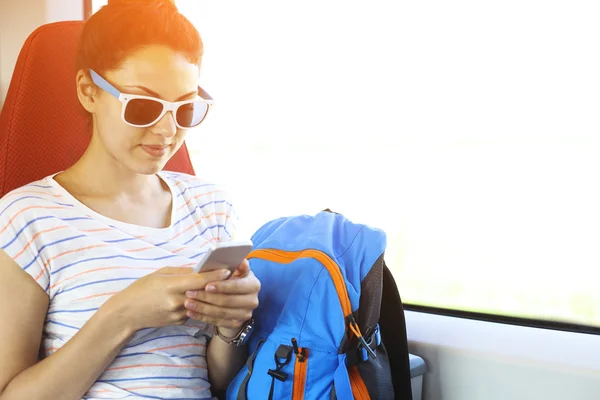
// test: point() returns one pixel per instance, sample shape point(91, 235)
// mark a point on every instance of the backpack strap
point(393, 332)
point(242, 393)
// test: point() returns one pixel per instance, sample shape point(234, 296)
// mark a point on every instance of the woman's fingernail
point(211, 289)
point(190, 305)
point(191, 293)
point(226, 273)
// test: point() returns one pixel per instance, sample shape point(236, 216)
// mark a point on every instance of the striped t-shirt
point(80, 258)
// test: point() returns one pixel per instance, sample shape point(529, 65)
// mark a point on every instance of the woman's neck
point(98, 174)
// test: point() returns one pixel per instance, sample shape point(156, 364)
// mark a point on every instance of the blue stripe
point(48, 245)
point(76, 219)
point(113, 257)
point(203, 232)
point(94, 283)
point(156, 338)
point(195, 187)
point(202, 206)
point(199, 254)
point(72, 311)
point(194, 355)
point(42, 218)
point(39, 186)
point(61, 324)
point(120, 240)
point(186, 217)
point(151, 378)
point(226, 231)
point(154, 355)
point(33, 197)
point(134, 354)
point(25, 227)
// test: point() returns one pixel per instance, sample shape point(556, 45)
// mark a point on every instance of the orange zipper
point(300, 374)
point(286, 257)
point(359, 389)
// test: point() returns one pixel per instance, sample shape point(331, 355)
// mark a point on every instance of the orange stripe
point(42, 271)
point(35, 236)
point(140, 249)
point(97, 230)
point(95, 295)
point(197, 196)
point(286, 257)
point(177, 346)
point(300, 375)
point(359, 389)
point(98, 269)
point(30, 208)
point(197, 248)
point(45, 266)
point(198, 223)
point(34, 191)
point(73, 251)
point(155, 365)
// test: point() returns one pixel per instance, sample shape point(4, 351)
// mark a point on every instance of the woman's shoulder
point(32, 196)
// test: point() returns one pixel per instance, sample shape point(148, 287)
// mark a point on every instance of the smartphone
point(227, 255)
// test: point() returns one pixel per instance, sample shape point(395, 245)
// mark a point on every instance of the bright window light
point(467, 130)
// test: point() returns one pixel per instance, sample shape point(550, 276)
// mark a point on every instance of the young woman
point(97, 295)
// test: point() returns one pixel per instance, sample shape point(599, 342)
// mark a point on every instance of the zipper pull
point(300, 354)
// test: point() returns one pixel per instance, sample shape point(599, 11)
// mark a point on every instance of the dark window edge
point(503, 319)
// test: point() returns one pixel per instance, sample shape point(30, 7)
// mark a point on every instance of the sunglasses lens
point(142, 111)
point(191, 114)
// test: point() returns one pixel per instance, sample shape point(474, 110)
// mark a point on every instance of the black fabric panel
point(377, 376)
point(370, 298)
point(393, 334)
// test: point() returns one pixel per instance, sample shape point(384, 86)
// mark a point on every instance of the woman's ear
point(86, 90)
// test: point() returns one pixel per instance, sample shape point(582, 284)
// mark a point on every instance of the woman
point(96, 261)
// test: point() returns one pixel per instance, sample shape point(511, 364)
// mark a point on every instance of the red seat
point(43, 128)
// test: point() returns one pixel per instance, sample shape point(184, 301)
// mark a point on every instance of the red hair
point(123, 26)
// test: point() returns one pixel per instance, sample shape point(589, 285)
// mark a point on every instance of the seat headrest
point(43, 128)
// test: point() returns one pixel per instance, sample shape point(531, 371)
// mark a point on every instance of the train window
point(468, 131)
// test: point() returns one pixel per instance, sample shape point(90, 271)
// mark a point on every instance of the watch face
point(245, 334)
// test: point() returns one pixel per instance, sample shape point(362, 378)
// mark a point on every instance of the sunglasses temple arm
point(103, 84)
point(202, 93)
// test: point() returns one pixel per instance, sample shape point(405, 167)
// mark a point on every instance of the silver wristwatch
point(242, 337)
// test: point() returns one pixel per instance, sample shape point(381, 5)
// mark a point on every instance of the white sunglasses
point(144, 111)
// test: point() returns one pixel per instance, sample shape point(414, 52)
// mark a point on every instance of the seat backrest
point(43, 128)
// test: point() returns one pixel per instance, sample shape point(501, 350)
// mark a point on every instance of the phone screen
point(228, 255)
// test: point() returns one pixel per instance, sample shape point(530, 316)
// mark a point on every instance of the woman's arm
point(152, 301)
point(69, 372)
point(227, 304)
point(224, 360)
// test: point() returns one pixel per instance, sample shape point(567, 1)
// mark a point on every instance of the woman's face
point(155, 71)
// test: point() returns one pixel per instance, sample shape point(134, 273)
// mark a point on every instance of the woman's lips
point(155, 150)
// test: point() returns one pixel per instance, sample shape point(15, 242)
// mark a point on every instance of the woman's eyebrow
point(154, 94)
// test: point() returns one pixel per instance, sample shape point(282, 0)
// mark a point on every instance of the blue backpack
point(317, 333)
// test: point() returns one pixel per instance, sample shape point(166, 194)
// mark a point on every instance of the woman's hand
point(157, 299)
point(227, 304)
